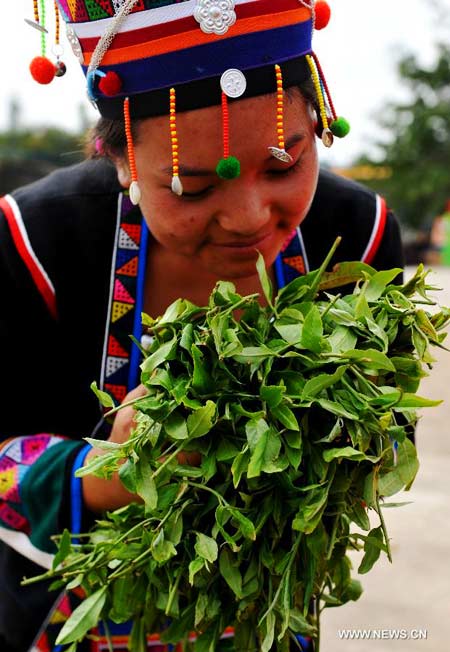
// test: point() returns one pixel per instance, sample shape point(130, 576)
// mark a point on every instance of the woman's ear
point(123, 171)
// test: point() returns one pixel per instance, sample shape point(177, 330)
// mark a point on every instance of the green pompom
point(340, 127)
point(228, 168)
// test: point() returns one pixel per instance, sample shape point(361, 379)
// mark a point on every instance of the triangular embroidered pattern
point(114, 364)
point(130, 268)
point(297, 262)
point(115, 348)
point(120, 309)
point(121, 293)
point(125, 242)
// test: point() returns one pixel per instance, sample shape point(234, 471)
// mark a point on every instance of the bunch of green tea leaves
point(301, 411)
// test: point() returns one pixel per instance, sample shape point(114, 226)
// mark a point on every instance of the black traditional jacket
point(72, 253)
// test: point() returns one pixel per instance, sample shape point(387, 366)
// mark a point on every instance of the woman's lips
point(244, 246)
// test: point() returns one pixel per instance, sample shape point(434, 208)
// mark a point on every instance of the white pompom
point(177, 186)
point(135, 193)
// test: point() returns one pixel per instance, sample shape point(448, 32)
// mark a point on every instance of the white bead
point(233, 82)
point(281, 154)
point(135, 193)
point(177, 186)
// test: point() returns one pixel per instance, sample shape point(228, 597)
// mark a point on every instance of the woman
point(180, 87)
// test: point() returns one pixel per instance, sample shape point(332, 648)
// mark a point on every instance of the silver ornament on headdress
point(215, 16)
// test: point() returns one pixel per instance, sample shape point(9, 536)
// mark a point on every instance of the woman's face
point(219, 224)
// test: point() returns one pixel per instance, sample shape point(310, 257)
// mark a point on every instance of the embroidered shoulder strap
point(120, 364)
point(292, 261)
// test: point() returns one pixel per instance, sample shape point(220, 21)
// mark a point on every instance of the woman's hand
point(100, 495)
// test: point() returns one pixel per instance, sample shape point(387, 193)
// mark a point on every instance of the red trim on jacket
point(377, 231)
point(23, 245)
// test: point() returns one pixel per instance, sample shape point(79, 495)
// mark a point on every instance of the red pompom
point(323, 14)
point(110, 84)
point(42, 70)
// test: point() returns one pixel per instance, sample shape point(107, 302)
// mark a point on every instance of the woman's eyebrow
point(290, 142)
point(187, 171)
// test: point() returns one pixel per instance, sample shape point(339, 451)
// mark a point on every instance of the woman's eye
point(283, 172)
point(198, 194)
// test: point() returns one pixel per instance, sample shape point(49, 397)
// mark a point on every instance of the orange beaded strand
point(225, 126)
point(135, 191)
point(56, 24)
point(280, 107)
point(177, 186)
point(36, 11)
point(280, 152)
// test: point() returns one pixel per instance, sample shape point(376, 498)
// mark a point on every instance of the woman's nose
point(246, 213)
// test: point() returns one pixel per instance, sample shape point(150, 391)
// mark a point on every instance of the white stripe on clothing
point(376, 226)
point(141, 19)
point(26, 241)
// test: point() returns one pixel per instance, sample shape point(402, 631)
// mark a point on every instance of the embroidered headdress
point(144, 58)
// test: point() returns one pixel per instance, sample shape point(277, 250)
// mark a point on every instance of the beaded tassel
point(135, 191)
point(177, 186)
point(280, 151)
point(229, 167)
point(339, 126)
point(327, 136)
point(42, 69)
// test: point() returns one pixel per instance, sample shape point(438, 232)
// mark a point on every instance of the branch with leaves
point(301, 412)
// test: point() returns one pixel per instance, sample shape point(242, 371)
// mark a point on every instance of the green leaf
point(230, 572)
point(299, 625)
point(312, 331)
point(200, 422)
point(206, 547)
point(64, 549)
point(264, 279)
point(84, 618)
point(395, 478)
point(272, 394)
point(322, 381)
point(372, 549)
point(268, 629)
point(165, 352)
point(348, 453)
point(285, 416)
point(201, 380)
point(379, 281)
point(245, 525)
point(370, 358)
point(195, 566)
point(175, 426)
point(105, 399)
point(145, 484)
point(256, 430)
point(162, 548)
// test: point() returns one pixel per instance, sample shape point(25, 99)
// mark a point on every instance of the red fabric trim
point(186, 24)
point(40, 281)
point(379, 234)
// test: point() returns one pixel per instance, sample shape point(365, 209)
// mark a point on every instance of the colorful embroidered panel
point(16, 458)
point(81, 11)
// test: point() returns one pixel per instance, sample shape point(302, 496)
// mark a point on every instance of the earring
point(135, 191)
point(177, 186)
